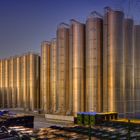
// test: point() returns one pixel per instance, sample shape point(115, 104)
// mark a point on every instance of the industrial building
point(19, 82)
point(92, 66)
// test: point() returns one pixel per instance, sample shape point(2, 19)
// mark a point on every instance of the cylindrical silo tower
point(62, 68)
point(45, 77)
point(137, 69)
point(3, 84)
point(0, 83)
point(24, 80)
point(129, 66)
point(7, 99)
point(77, 66)
point(18, 83)
point(94, 62)
point(33, 81)
point(113, 57)
point(15, 81)
point(53, 59)
point(11, 81)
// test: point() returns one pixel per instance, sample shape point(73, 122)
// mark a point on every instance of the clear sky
point(24, 24)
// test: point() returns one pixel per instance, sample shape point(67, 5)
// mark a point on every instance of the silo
point(7, 99)
point(3, 83)
point(113, 62)
point(15, 81)
point(129, 66)
point(18, 81)
point(137, 69)
point(33, 81)
point(0, 83)
point(24, 80)
point(11, 81)
point(53, 51)
point(94, 62)
point(45, 76)
point(62, 68)
point(77, 66)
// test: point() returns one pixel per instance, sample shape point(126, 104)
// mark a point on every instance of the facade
point(15, 90)
point(94, 62)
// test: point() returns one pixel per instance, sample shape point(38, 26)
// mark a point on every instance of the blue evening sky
point(25, 23)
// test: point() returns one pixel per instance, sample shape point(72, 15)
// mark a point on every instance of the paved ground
point(41, 122)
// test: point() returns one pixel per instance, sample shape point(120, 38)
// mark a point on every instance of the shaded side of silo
point(45, 77)
point(77, 68)
point(53, 71)
point(94, 62)
point(62, 68)
point(128, 69)
point(113, 67)
point(137, 69)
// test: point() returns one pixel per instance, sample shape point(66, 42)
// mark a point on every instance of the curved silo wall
point(94, 71)
point(45, 77)
point(62, 68)
point(113, 57)
point(77, 66)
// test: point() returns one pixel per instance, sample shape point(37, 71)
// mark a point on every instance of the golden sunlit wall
point(45, 77)
point(92, 67)
point(15, 90)
point(94, 55)
point(77, 66)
